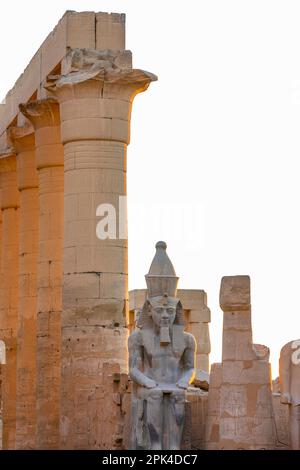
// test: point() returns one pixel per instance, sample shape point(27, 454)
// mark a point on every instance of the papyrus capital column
point(95, 94)
point(44, 115)
point(23, 141)
point(9, 305)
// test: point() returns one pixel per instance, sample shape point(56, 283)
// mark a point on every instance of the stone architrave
point(289, 377)
point(10, 203)
point(44, 115)
point(23, 142)
point(95, 95)
point(246, 413)
point(161, 361)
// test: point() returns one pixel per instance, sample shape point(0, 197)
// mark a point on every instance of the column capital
point(23, 141)
point(111, 72)
point(8, 160)
point(95, 94)
point(45, 117)
point(42, 113)
point(21, 138)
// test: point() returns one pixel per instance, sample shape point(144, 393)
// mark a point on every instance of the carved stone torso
point(162, 363)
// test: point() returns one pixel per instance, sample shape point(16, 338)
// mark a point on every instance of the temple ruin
point(65, 309)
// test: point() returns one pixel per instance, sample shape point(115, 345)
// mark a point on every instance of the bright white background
point(213, 167)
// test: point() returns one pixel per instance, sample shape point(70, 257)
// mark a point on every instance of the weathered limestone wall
point(10, 203)
point(198, 403)
point(246, 412)
point(197, 319)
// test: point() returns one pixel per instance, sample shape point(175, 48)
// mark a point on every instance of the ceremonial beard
point(165, 335)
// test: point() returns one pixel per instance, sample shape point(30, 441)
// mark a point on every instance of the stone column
point(95, 97)
point(24, 144)
point(9, 305)
point(44, 115)
point(246, 413)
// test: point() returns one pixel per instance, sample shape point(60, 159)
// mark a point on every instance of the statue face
point(163, 315)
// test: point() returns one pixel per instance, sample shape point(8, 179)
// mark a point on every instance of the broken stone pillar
point(24, 145)
point(246, 413)
point(44, 115)
point(9, 306)
point(198, 320)
point(95, 94)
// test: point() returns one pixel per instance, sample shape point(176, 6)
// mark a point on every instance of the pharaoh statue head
point(162, 309)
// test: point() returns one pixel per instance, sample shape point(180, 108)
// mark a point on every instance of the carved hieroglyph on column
point(95, 96)
point(44, 115)
point(289, 376)
point(23, 141)
point(246, 414)
point(9, 305)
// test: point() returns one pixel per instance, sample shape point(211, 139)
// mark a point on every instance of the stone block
point(237, 320)
point(235, 293)
point(113, 286)
point(202, 315)
point(201, 334)
point(202, 362)
point(97, 312)
point(246, 372)
point(137, 298)
point(81, 30)
point(237, 345)
point(110, 31)
point(112, 260)
point(85, 180)
point(81, 286)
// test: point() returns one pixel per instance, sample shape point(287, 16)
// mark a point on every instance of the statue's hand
point(286, 398)
point(182, 384)
point(149, 383)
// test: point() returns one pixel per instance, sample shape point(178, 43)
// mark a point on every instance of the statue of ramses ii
point(161, 361)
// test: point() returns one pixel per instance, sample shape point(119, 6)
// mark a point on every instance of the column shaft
point(28, 251)
point(44, 115)
point(10, 285)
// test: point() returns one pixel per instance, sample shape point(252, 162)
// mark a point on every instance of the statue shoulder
point(135, 339)
point(189, 339)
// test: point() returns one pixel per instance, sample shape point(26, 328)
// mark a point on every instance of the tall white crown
point(161, 278)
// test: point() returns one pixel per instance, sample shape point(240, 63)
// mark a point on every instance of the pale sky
point(215, 143)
